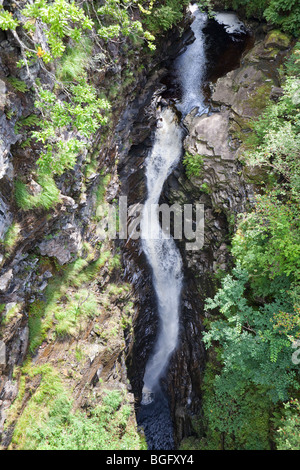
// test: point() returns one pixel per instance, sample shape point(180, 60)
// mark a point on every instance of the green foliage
point(74, 61)
point(282, 13)
point(63, 19)
point(101, 188)
point(48, 421)
point(82, 115)
point(29, 121)
point(289, 431)
point(65, 306)
point(267, 244)
point(106, 428)
point(78, 111)
point(81, 304)
point(259, 302)
point(292, 64)
point(73, 112)
point(193, 164)
point(12, 312)
point(165, 15)
point(254, 351)
point(46, 198)
point(118, 15)
point(11, 236)
point(206, 188)
point(251, 7)
point(285, 14)
point(236, 415)
point(17, 84)
point(7, 21)
point(278, 138)
point(36, 410)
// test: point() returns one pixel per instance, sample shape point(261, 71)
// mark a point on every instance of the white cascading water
point(190, 66)
point(161, 251)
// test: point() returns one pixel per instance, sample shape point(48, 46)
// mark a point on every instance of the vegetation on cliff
point(69, 109)
point(251, 389)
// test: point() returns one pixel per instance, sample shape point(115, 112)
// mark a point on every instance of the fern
point(17, 84)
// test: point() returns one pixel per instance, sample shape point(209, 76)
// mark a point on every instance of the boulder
point(209, 134)
point(64, 246)
point(277, 39)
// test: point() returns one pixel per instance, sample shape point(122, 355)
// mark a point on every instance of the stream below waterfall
point(162, 254)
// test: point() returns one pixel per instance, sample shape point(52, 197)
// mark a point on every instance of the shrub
point(282, 13)
point(193, 164)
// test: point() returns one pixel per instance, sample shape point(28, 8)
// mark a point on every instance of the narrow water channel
point(159, 247)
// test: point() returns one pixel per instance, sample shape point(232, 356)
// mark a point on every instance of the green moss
point(261, 98)
point(277, 38)
point(12, 236)
point(101, 188)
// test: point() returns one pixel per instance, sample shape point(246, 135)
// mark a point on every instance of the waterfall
point(190, 66)
point(160, 249)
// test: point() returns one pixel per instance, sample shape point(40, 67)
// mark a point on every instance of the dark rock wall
point(241, 75)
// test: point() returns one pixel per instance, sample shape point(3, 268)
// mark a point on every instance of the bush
point(164, 16)
point(193, 164)
point(49, 423)
point(282, 13)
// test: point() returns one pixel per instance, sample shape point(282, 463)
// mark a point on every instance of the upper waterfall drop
point(190, 66)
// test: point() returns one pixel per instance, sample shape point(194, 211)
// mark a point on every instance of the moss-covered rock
point(277, 39)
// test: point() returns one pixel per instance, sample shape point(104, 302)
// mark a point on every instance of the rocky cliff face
point(34, 261)
point(42, 252)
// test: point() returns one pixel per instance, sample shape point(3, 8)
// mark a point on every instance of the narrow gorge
point(107, 337)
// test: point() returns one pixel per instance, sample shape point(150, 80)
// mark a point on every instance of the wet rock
point(239, 88)
point(34, 188)
point(2, 95)
point(276, 93)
